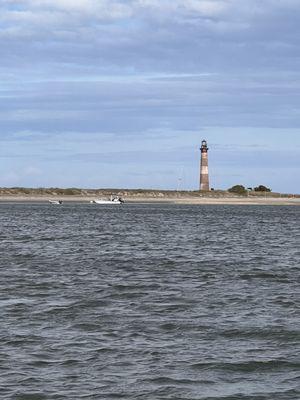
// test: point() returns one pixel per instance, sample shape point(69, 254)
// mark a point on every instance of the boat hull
point(106, 202)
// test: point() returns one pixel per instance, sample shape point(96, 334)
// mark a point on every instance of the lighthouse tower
point(204, 177)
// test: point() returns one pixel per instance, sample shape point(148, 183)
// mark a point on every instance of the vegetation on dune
point(238, 189)
point(262, 188)
point(241, 190)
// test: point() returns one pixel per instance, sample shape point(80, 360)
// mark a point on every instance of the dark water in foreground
point(149, 302)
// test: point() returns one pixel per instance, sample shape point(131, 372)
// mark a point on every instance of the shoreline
point(159, 200)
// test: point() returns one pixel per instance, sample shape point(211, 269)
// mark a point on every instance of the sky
point(120, 93)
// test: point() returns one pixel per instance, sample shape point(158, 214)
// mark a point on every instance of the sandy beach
point(280, 201)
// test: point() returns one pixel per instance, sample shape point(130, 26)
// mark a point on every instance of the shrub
point(238, 189)
point(262, 188)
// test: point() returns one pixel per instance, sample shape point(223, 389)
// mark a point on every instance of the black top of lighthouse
point(204, 148)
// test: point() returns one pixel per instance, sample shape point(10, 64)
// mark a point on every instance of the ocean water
point(149, 302)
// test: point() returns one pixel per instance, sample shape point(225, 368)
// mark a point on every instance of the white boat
point(112, 200)
point(58, 202)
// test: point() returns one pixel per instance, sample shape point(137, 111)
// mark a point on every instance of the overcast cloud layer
point(107, 93)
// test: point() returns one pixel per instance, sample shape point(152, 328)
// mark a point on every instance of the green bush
point(262, 188)
point(238, 189)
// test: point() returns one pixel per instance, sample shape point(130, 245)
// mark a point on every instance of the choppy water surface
point(148, 302)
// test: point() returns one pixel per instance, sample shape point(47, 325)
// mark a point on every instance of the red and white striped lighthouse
point(204, 177)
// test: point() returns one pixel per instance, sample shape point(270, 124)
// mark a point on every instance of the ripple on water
point(148, 302)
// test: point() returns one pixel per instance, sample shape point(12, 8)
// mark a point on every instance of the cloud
point(98, 9)
point(147, 35)
point(137, 15)
point(191, 8)
point(142, 76)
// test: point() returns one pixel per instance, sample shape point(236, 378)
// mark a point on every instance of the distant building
point(204, 176)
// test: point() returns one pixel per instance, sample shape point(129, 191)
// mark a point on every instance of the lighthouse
point(204, 177)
